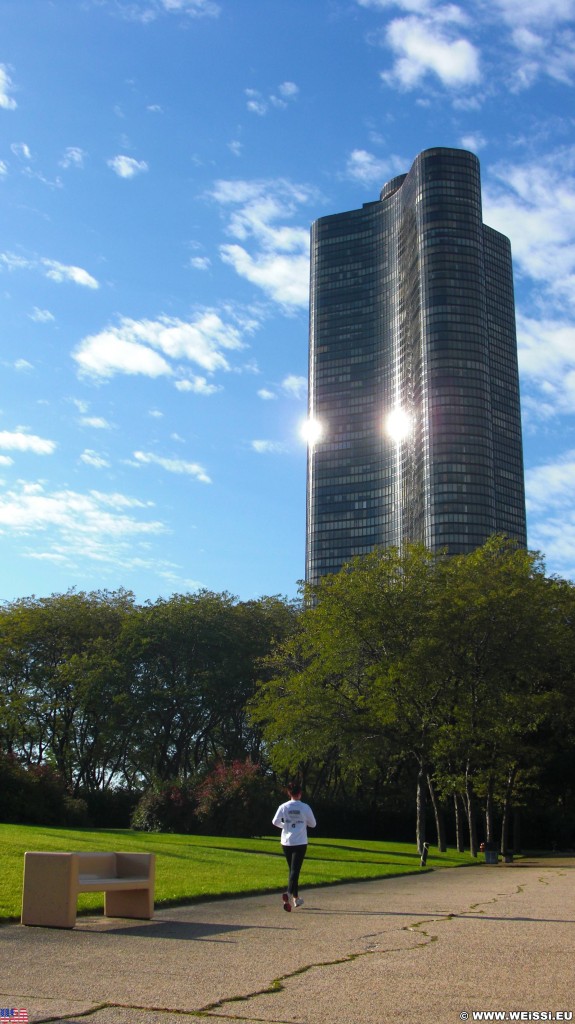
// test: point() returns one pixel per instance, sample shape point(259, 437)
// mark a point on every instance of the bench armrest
point(136, 865)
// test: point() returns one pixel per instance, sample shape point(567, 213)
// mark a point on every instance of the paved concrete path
point(422, 949)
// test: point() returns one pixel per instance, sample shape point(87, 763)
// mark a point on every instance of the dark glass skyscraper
point(413, 380)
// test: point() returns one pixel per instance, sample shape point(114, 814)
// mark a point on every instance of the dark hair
point(294, 787)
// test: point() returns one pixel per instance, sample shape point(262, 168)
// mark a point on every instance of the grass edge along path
point(190, 868)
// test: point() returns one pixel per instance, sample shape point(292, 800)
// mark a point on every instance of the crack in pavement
point(210, 1010)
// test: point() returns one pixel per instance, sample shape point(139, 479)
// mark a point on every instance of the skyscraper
point(413, 379)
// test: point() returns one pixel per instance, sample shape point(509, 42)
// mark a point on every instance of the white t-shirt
point(294, 818)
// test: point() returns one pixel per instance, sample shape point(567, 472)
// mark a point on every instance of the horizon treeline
point(111, 693)
point(414, 693)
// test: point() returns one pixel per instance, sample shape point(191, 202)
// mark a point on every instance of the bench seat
point(52, 882)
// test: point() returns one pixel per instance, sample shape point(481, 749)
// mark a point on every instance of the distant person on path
point(294, 818)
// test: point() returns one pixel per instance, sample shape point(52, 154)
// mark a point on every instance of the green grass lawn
point(190, 868)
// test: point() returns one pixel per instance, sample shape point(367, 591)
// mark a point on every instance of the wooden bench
point(52, 882)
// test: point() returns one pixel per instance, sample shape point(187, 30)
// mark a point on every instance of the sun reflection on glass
point(398, 424)
point(311, 431)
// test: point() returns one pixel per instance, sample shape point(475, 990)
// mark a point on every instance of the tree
point(353, 684)
point(111, 693)
point(452, 664)
point(502, 634)
point(59, 684)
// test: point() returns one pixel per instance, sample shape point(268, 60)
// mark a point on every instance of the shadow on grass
point(363, 849)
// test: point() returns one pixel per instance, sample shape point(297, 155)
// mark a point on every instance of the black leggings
point(294, 856)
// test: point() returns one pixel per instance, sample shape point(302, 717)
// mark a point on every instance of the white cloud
point(7, 102)
point(550, 492)
point(533, 203)
point(69, 527)
point(547, 48)
point(22, 365)
point(6, 460)
point(200, 262)
point(147, 11)
point(19, 440)
point(92, 458)
point(547, 360)
point(551, 486)
point(294, 386)
point(418, 6)
point(113, 351)
point(3, 168)
point(14, 262)
point(526, 40)
point(424, 45)
point(21, 150)
point(266, 395)
point(97, 422)
point(127, 167)
point(258, 104)
point(198, 385)
point(474, 142)
point(367, 168)
point(38, 176)
point(41, 316)
point(269, 447)
point(60, 272)
point(546, 347)
point(152, 347)
point(288, 90)
point(284, 278)
point(73, 157)
point(536, 12)
point(555, 536)
point(50, 268)
point(173, 465)
point(278, 262)
point(193, 8)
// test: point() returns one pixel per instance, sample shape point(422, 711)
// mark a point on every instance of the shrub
point(166, 807)
point(236, 800)
point(37, 796)
point(110, 808)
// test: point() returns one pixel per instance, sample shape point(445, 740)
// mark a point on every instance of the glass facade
point(412, 313)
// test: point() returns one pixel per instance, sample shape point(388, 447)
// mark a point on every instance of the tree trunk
point(489, 814)
point(506, 816)
point(472, 823)
point(517, 831)
point(459, 834)
point(439, 818)
point(421, 806)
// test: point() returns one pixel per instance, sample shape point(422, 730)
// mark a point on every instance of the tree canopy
point(451, 675)
point(454, 664)
point(111, 693)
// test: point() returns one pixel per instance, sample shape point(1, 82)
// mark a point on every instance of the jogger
point(294, 818)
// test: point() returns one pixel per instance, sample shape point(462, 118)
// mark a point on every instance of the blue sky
point(161, 162)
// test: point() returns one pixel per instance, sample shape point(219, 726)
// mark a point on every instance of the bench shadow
point(180, 930)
